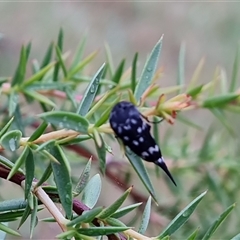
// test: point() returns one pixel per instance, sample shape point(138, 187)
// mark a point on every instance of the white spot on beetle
point(144, 154)
point(119, 130)
point(133, 121)
point(135, 142)
point(139, 130)
point(153, 149)
point(126, 138)
point(127, 127)
point(141, 139)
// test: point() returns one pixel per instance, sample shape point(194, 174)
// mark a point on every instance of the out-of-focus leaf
point(237, 237)
point(109, 60)
point(37, 76)
point(21, 159)
point(67, 120)
point(193, 92)
point(46, 174)
point(92, 191)
point(141, 171)
point(39, 97)
point(145, 217)
point(188, 122)
point(118, 74)
point(21, 68)
point(219, 101)
point(90, 93)
point(134, 72)
point(182, 217)
point(5, 228)
point(235, 71)
point(148, 71)
point(181, 66)
point(6, 127)
point(217, 223)
point(107, 212)
point(83, 179)
point(30, 167)
point(13, 102)
point(125, 210)
point(61, 61)
point(10, 140)
point(38, 132)
point(98, 231)
point(48, 56)
point(81, 65)
point(63, 180)
point(12, 204)
point(86, 217)
point(193, 235)
point(34, 220)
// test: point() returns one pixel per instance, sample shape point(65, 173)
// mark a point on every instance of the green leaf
point(181, 66)
point(33, 220)
point(109, 211)
point(217, 223)
point(37, 76)
point(188, 122)
point(235, 71)
point(12, 204)
point(125, 210)
point(90, 93)
point(46, 174)
point(8, 230)
point(193, 235)
point(237, 237)
point(134, 72)
point(109, 60)
point(19, 162)
point(81, 65)
point(148, 71)
point(38, 132)
point(86, 217)
point(145, 217)
point(30, 167)
point(6, 127)
point(114, 222)
point(219, 101)
point(25, 215)
point(61, 61)
point(92, 191)
point(141, 171)
point(48, 56)
point(79, 53)
point(11, 140)
point(99, 231)
point(101, 149)
point(182, 217)
point(39, 97)
point(21, 68)
point(63, 180)
point(67, 120)
point(13, 102)
point(118, 74)
point(193, 92)
point(83, 179)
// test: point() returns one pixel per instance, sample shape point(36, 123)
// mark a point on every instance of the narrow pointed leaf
point(148, 71)
point(99, 231)
point(193, 92)
point(107, 212)
point(38, 132)
point(30, 167)
point(216, 224)
point(25, 215)
point(86, 217)
point(145, 217)
point(46, 174)
point(90, 93)
point(13, 102)
point(11, 140)
point(67, 120)
point(63, 180)
point(182, 217)
point(141, 171)
point(8, 230)
point(134, 72)
point(125, 210)
point(6, 127)
point(109, 60)
point(92, 191)
point(21, 68)
point(61, 61)
point(181, 66)
point(48, 56)
point(33, 220)
point(118, 74)
point(193, 235)
point(235, 71)
point(83, 179)
point(20, 161)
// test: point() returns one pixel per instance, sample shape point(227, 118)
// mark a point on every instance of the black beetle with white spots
point(128, 125)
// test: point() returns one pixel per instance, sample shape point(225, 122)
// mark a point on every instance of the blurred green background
point(210, 30)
